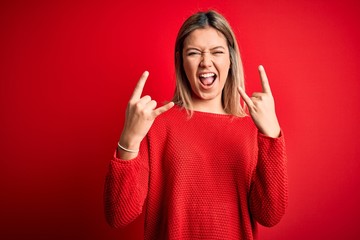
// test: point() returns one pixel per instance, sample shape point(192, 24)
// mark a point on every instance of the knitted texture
point(210, 176)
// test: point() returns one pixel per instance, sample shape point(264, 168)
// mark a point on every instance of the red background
point(68, 68)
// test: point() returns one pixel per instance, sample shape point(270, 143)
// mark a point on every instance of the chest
point(213, 152)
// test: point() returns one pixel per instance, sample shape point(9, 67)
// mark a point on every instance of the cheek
point(189, 68)
point(227, 64)
point(224, 67)
point(188, 74)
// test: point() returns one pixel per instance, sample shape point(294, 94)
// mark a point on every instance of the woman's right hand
point(140, 115)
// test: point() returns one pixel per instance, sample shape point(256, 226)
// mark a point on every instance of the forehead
point(205, 38)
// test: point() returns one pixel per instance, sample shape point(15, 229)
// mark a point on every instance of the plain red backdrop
point(68, 69)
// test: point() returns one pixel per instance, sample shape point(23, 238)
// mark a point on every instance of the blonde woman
point(202, 166)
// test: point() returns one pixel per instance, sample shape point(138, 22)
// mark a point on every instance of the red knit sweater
point(210, 176)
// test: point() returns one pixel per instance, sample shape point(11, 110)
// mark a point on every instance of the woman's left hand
point(262, 107)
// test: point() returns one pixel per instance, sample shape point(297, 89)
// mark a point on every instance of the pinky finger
point(246, 98)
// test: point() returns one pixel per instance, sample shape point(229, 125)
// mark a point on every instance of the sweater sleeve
point(268, 192)
point(126, 187)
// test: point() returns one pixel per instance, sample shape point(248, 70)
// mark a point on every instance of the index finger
point(264, 80)
point(140, 86)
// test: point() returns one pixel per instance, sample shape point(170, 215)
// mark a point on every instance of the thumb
point(163, 109)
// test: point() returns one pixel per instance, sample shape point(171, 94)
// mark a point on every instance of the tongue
point(207, 81)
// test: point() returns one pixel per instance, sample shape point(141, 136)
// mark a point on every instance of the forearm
point(125, 189)
point(268, 196)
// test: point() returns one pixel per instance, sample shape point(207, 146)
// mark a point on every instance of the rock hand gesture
point(140, 115)
point(262, 107)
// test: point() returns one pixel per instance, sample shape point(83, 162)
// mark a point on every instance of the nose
point(206, 60)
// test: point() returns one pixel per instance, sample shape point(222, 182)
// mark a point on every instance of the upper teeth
point(206, 75)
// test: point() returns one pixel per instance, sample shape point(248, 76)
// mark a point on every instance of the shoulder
point(169, 123)
point(174, 116)
point(174, 113)
point(245, 123)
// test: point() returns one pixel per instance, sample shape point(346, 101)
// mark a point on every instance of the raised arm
point(268, 192)
point(126, 182)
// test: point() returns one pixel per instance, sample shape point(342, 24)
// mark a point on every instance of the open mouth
point(207, 79)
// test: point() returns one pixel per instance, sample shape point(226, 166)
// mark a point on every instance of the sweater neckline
point(208, 114)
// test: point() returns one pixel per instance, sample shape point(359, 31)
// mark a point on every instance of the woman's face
point(206, 63)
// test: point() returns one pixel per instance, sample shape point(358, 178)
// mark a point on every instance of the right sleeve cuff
point(123, 161)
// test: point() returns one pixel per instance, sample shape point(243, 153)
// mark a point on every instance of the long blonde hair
point(230, 95)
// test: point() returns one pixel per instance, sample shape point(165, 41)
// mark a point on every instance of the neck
point(210, 106)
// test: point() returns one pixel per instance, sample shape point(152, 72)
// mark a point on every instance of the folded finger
point(151, 105)
point(144, 100)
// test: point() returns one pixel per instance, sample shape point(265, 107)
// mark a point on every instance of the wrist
point(127, 153)
point(129, 143)
point(273, 133)
point(129, 150)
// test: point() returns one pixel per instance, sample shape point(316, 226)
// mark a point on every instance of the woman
point(200, 166)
